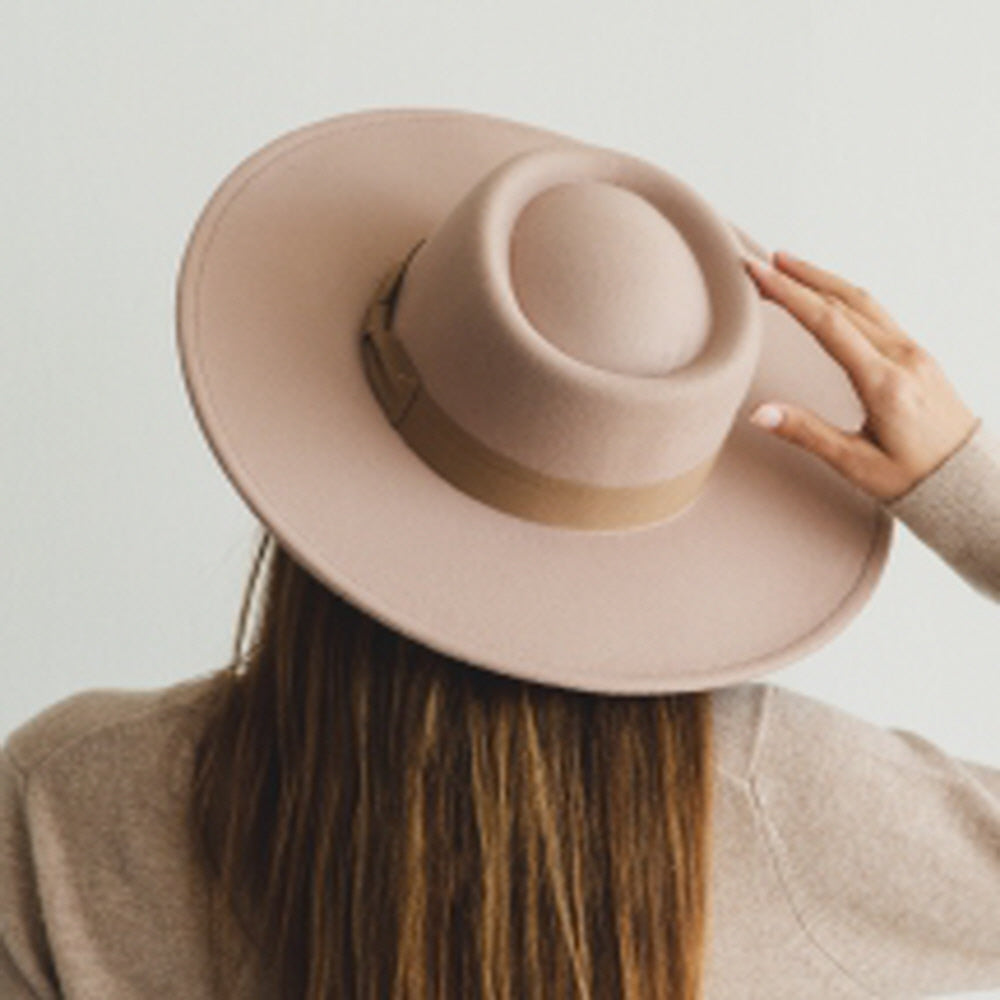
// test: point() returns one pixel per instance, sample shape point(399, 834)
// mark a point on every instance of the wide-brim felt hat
point(490, 383)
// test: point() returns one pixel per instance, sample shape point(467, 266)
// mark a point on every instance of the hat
point(490, 383)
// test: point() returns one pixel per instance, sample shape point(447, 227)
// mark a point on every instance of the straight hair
point(391, 823)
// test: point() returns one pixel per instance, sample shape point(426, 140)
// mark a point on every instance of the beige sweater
point(849, 860)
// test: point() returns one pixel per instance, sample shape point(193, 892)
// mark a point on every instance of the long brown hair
point(396, 824)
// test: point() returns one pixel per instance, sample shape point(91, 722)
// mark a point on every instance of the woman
point(346, 812)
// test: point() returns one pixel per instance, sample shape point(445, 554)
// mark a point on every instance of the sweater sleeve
point(26, 969)
point(955, 510)
point(888, 848)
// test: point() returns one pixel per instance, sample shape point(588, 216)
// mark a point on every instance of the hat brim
point(775, 557)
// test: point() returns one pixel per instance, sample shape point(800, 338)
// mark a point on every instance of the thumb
point(806, 429)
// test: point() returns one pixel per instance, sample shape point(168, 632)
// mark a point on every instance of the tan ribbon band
point(475, 468)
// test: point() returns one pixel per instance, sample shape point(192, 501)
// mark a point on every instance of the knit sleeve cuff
point(955, 509)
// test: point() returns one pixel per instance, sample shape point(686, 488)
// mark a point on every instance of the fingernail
point(759, 265)
point(767, 415)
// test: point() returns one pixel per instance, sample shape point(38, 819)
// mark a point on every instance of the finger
point(852, 454)
point(861, 359)
point(889, 344)
point(859, 299)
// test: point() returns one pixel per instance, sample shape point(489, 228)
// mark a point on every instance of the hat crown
point(584, 314)
point(608, 279)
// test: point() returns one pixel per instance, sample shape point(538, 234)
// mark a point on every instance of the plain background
point(861, 135)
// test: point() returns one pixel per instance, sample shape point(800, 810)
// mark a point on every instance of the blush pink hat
point(491, 384)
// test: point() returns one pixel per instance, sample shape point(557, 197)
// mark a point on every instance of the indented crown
point(573, 341)
point(596, 269)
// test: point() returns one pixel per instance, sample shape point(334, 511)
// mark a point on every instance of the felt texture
point(272, 295)
point(849, 860)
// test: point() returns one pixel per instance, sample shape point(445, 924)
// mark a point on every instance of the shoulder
point(809, 748)
point(95, 840)
point(99, 724)
point(883, 845)
point(763, 729)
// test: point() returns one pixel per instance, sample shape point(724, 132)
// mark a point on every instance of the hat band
point(480, 471)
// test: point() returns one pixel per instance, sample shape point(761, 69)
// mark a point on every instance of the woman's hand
point(915, 419)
